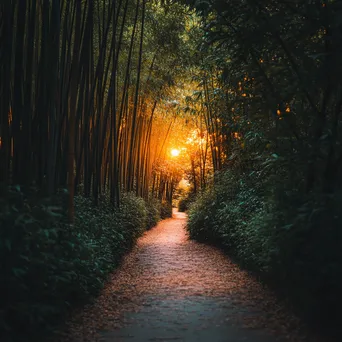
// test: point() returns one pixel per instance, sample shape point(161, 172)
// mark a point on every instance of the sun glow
point(175, 152)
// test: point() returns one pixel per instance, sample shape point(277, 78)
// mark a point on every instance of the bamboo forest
point(170, 170)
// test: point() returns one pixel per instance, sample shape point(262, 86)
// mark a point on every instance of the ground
point(170, 288)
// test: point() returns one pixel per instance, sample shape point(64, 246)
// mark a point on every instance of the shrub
point(40, 264)
point(47, 266)
point(201, 217)
point(132, 216)
point(183, 205)
point(165, 210)
point(292, 240)
point(209, 216)
point(307, 252)
point(153, 207)
point(184, 202)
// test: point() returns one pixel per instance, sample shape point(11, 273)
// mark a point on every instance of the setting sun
point(175, 152)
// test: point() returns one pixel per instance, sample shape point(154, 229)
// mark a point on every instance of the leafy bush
point(153, 207)
point(308, 253)
point(292, 240)
point(165, 210)
point(201, 220)
point(132, 216)
point(38, 262)
point(183, 205)
point(208, 215)
point(47, 265)
point(184, 202)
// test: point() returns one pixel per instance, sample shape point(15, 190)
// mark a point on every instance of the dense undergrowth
point(47, 266)
point(185, 202)
point(274, 108)
point(292, 240)
point(165, 210)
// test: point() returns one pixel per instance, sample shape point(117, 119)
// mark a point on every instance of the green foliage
point(207, 215)
point(293, 241)
point(132, 217)
point(270, 76)
point(47, 265)
point(308, 253)
point(185, 201)
point(183, 204)
point(153, 207)
point(165, 210)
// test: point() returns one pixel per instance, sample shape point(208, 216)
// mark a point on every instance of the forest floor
point(170, 288)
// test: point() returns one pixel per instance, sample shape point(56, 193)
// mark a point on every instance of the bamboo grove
point(269, 83)
point(81, 82)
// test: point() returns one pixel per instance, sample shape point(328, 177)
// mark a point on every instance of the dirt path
point(172, 289)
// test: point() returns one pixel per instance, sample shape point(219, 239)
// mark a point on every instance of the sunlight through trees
point(233, 108)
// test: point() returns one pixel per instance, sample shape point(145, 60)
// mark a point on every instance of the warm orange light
point(175, 152)
point(237, 135)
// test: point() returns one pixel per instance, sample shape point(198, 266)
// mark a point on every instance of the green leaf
point(8, 244)
point(18, 272)
point(24, 257)
point(287, 227)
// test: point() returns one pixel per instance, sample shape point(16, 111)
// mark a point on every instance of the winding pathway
point(172, 289)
